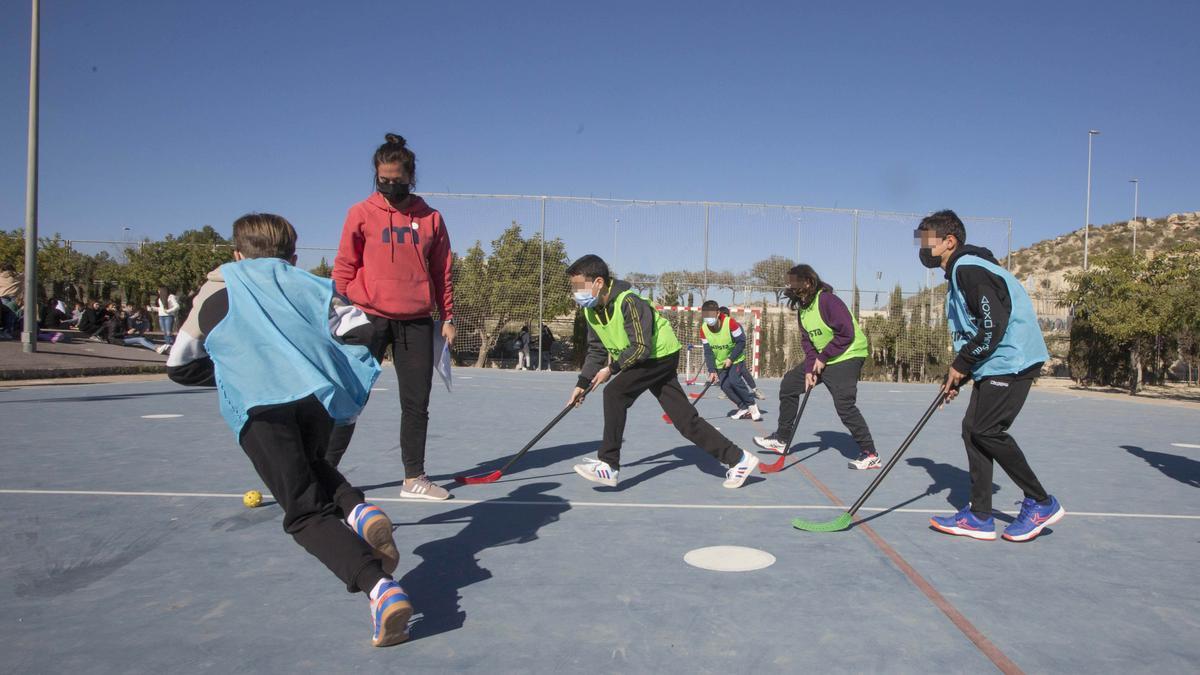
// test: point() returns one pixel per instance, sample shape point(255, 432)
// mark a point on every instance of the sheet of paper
point(441, 356)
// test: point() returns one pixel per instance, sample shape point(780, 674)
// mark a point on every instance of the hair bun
point(395, 139)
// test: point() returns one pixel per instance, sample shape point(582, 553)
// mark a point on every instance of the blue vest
point(1020, 347)
point(274, 345)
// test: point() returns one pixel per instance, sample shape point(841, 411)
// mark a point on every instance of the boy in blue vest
point(1000, 347)
point(725, 356)
point(289, 361)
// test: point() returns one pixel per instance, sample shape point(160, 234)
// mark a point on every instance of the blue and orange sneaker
point(390, 612)
point(1033, 519)
point(966, 524)
point(373, 525)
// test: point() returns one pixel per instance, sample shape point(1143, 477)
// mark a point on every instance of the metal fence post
point(706, 208)
point(1008, 258)
point(854, 267)
point(29, 332)
point(542, 288)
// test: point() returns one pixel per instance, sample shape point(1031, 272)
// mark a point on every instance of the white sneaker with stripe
point(597, 472)
point(738, 473)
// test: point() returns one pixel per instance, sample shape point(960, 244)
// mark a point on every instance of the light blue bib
point(274, 345)
point(1020, 347)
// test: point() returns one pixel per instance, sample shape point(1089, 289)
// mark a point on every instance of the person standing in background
point(168, 309)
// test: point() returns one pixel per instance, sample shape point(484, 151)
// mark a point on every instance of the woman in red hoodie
point(394, 263)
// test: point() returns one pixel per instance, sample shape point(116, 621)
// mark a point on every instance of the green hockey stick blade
point(836, 525)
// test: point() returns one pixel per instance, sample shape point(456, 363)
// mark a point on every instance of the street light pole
point(1087, 213)
point(1135, 182)
point(29, 331)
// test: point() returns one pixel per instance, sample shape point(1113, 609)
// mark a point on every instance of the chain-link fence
point(513, 250)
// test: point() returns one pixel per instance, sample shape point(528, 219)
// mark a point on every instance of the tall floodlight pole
point(1135, 182)
point(1087, 213)
point(29, 331)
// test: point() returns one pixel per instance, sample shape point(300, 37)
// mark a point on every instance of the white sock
point(352, 519)
point(379, 587)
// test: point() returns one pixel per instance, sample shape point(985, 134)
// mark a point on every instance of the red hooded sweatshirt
point(395, 263)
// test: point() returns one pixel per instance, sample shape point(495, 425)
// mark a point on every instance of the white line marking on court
point(378, 388)
point(560, 502)
point(163, 416)
point(1186, 445)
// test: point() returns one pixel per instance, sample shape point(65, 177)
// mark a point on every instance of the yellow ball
point(252, 499)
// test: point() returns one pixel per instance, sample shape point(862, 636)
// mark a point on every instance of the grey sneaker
point(422, 488)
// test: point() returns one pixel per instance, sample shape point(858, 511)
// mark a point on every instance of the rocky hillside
point(1044, 265)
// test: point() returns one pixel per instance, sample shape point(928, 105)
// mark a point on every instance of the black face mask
point(928, 259)
point(395, 192)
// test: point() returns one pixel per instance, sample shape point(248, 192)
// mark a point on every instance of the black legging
point(412, 355)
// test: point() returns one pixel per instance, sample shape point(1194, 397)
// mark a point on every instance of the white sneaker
point(162, 349)
point(744, 414)
point(865, 461)
point(597, 472)
point(754, 413)
point(770, 443)
point(738, 473)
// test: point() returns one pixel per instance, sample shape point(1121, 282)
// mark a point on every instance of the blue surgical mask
point(585, 299)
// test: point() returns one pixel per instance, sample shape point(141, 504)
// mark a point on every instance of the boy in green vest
point(746, 374)
point(642, 354)
point(835, 349)
point(725, 355)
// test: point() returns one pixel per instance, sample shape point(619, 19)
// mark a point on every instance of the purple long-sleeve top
point(836, 315)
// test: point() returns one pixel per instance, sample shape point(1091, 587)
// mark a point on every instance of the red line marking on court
point(986, 646)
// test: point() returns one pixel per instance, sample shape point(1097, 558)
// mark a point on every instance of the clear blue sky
point(167, 115)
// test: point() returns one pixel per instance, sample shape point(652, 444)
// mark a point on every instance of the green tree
point(494, 289)
point(323, 269)
point(770, 274)
point(179, 263)
point(1132, 303)
point(641, 282)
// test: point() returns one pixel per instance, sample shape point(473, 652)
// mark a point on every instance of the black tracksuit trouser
point(286, 444)
point(412, 357)
point(995, 403)
point(841, 379)
point(659, 377)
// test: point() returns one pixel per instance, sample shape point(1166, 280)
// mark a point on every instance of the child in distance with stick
point(644, 353)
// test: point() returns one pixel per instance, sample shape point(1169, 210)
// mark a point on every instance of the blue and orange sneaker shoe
point(966, 524)
point(373, 525)
point(1033, 519)
point(390, 612)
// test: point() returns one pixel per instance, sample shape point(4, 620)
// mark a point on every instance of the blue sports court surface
point(126, 547)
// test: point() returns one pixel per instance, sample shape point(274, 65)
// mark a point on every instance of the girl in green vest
point(835, 349)
point(631, 343)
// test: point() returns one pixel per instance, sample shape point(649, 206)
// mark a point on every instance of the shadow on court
point(453, 563)
point(1183, 469)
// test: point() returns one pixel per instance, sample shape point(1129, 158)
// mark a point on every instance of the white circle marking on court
point(1186, 445)
point(729, 558)
point(160, 417)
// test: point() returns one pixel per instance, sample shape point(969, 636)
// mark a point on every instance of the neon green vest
point(821, 335)
point(612, 334)
point(722, 343)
